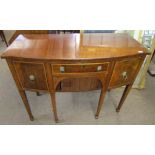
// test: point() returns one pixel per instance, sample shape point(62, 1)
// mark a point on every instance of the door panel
point(124, 72)
point(31, 76)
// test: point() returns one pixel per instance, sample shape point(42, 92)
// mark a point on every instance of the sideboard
point(74, 62)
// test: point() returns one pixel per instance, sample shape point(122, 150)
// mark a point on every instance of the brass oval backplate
point(62, 69)
point(124, 75)
point(99, 68)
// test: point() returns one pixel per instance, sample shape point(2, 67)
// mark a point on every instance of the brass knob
point(62, 69)
point(32, 77)
point(124, 75)
point(99, 68)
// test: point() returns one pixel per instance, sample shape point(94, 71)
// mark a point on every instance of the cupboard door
point(31, 75)
point(124, 72)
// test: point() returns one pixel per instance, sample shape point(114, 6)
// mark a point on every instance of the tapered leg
point(125, 93)
point(102, 95)
point(21, 91)
point(54, 106)
point(27, 106)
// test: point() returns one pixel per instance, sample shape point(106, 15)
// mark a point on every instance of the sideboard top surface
point(74, 46)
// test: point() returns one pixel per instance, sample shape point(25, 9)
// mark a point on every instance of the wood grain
point(73, 62)
point(129, 66)
point(25, 70)
point(74, 47)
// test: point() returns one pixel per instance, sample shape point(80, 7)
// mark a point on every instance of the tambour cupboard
point(74, 62)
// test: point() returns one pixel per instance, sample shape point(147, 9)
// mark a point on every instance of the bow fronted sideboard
point(74, 62)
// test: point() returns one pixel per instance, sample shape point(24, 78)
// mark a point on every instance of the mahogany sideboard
point(74, 62)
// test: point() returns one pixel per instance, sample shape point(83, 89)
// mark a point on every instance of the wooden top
point(74, 46)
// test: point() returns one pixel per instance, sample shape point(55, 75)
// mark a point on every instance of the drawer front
point(124, 72)
point(31, 76)
point(80, 68)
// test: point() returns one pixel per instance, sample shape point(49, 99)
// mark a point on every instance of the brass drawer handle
point(124, 75)
point(32, 77)
point(99, 68)
point(62, 69)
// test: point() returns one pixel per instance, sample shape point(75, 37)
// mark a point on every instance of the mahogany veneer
point(74, 62)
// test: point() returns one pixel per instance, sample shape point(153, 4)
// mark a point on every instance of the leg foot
point(100, 103)
point(32, 118)
point(56, 121)
point(117, 110)
point(38, 94)
point(96, 116)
